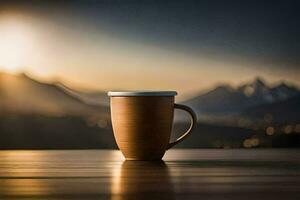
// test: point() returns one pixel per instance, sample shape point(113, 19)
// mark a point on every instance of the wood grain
point(210, 174)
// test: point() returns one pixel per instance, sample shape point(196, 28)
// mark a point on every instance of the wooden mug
point(142, 123)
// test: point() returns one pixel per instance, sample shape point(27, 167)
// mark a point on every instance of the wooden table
point(184, 174)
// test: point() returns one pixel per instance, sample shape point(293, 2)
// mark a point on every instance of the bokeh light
point(247, 143)
point(288, 129)
point(270, 130)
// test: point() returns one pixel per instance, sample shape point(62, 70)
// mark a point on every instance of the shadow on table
point(142, 180)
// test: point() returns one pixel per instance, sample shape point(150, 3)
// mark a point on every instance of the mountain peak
point(257, 87)
point(284, 85)
point(24, 75)
point(259, 81)
point(224, 87)
point(15, 75)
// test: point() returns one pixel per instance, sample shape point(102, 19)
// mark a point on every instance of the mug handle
point(192, 126)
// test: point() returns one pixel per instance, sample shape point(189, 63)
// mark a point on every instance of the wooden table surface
point(184, 174)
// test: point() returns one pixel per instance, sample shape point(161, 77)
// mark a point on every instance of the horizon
point(180, 97)
point(110, 45)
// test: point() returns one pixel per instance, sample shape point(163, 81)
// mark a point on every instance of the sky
point(186, 46)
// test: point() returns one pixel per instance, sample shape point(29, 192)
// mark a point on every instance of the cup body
point(142, 125)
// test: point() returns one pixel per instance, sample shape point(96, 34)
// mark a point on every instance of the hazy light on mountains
point(113, 45)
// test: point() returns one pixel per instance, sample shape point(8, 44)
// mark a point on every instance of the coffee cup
point(142, 122)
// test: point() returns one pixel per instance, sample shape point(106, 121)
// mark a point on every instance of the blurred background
point(235, 62)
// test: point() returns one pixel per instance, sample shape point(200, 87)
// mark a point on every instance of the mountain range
point(98, 98)
point(22, 94)
point(38, 115)
point(254, 100)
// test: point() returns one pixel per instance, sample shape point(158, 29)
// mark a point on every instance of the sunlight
point(15, 45)
point(116, 179)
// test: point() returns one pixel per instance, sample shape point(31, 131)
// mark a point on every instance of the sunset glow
point(82, 51)
point(15, 45)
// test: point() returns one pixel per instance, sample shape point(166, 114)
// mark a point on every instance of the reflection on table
point(141, 180)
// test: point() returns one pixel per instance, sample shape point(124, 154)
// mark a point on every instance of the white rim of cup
point(140, 93)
